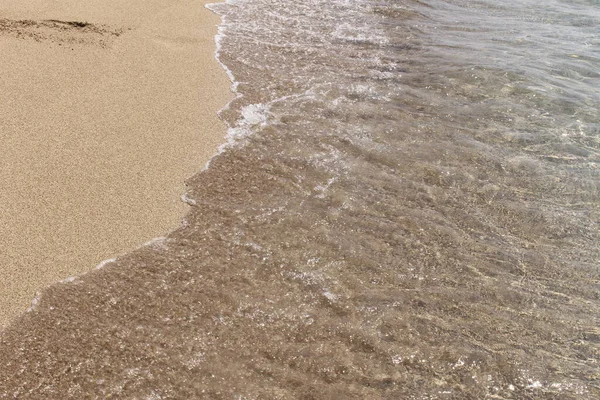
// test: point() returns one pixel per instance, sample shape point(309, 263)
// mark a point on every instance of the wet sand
point(107, 107)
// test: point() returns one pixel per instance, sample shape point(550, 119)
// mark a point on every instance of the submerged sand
point(107, 107)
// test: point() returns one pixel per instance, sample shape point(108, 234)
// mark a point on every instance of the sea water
point(406, 207)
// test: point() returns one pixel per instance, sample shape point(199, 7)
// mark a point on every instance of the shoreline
point(108, 109)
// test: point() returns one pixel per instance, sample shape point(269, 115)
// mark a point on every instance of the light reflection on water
point(409, 210)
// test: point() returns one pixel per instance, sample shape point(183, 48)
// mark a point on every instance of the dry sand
point(100, 125)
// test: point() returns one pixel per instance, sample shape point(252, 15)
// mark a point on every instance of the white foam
point(253, 115)
point(214, 7)
point(35, 302)
point(187, 200)
point(102, 264)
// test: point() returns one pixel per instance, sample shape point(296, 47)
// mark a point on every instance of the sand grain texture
point(106, 108)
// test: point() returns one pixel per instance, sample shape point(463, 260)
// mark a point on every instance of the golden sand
point(106, 108)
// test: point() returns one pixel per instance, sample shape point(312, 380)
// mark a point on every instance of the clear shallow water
point(408, 208)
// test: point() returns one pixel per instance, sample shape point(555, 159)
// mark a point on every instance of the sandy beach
point(106, 108)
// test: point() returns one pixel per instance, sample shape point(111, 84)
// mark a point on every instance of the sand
point(101, 122)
